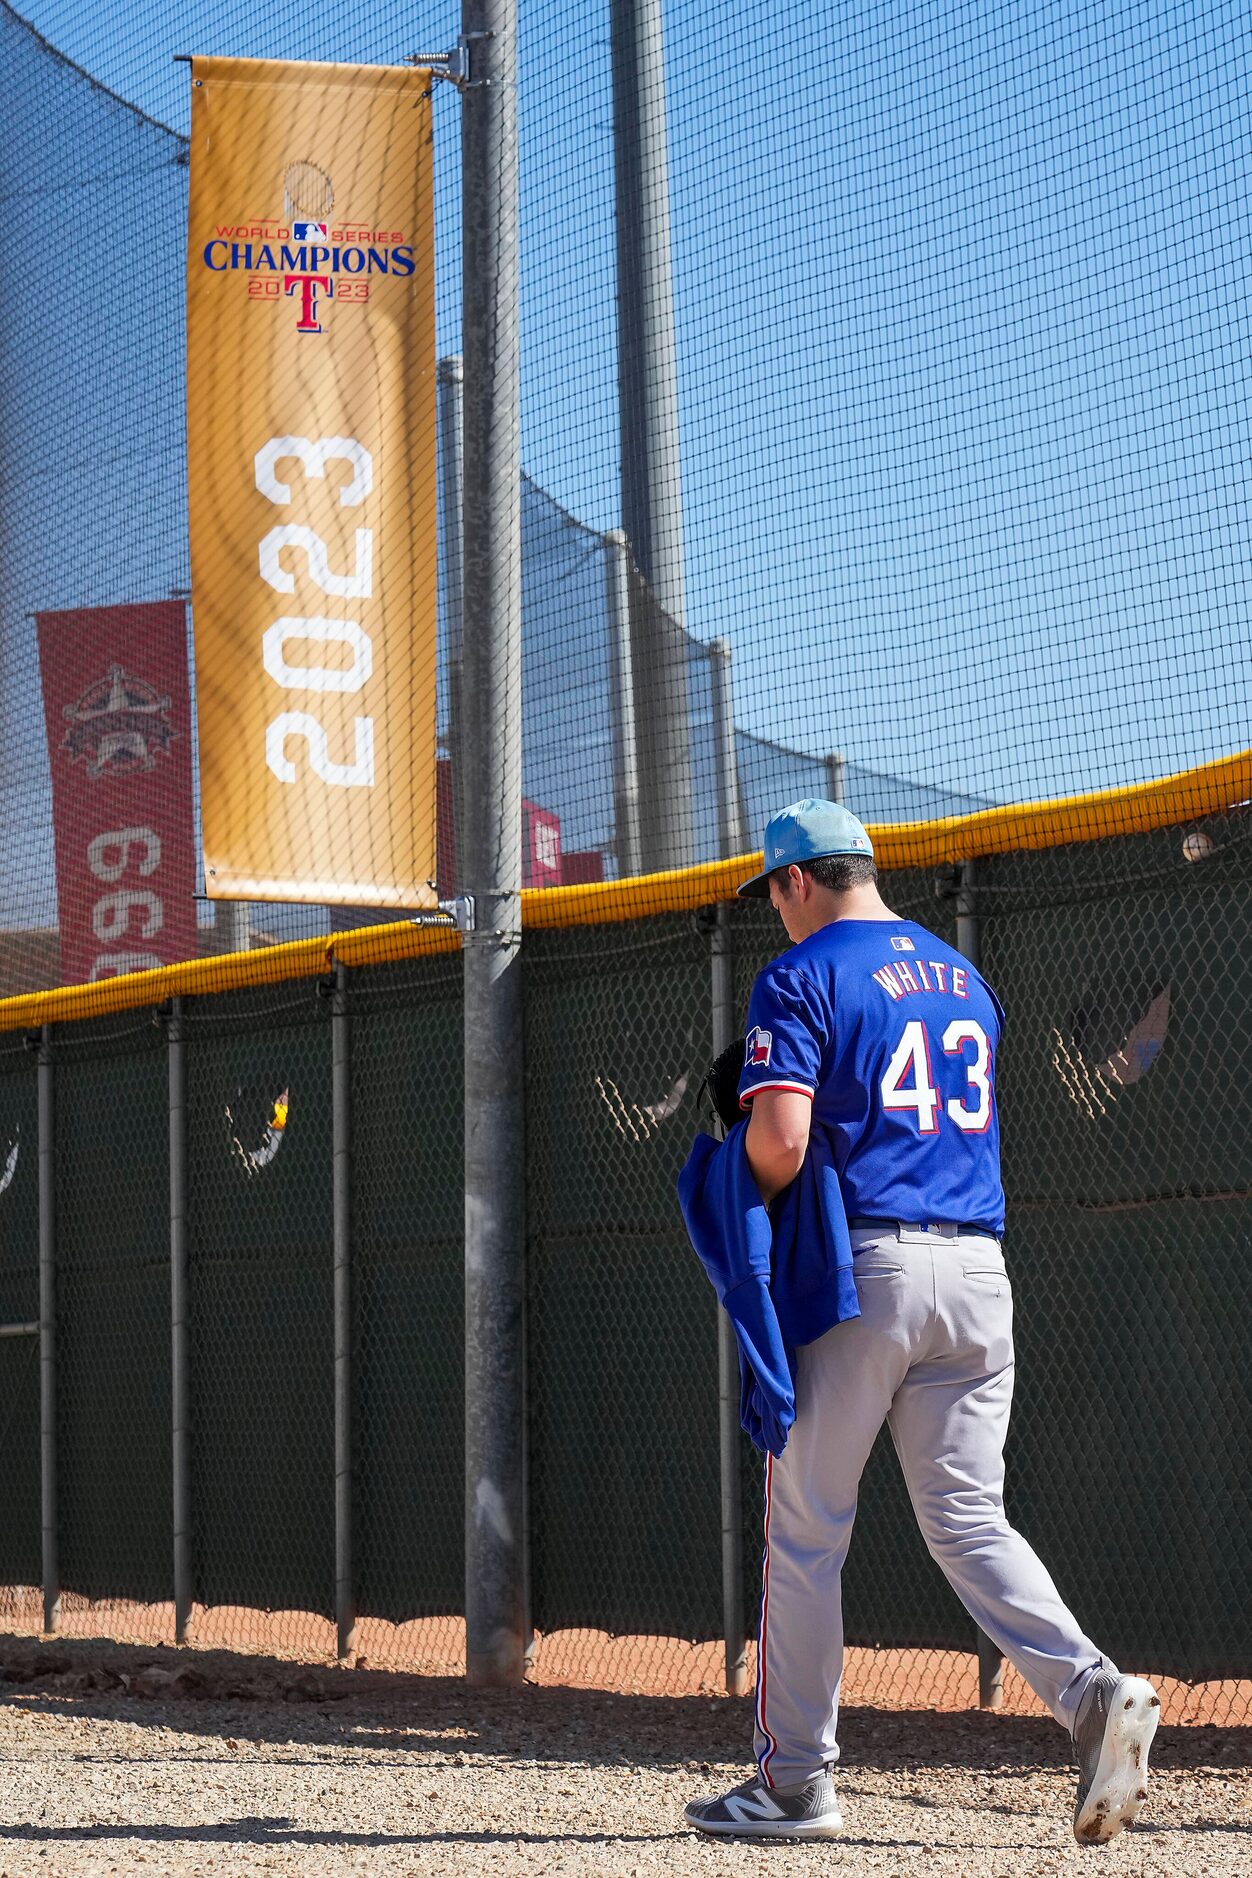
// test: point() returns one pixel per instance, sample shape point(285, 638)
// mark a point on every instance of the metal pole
point(452, 477)
point(341, 1150)
point(625, 746)
point(969, 943)
point(230, 926)
point(648, 416)
point(180, 1321)
point(968, 922)
point(732, 836)
point(836, 775)
point(491, 849)
point(724, 1028)
point(47, 1333)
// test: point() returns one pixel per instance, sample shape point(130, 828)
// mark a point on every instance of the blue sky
point(961, 298)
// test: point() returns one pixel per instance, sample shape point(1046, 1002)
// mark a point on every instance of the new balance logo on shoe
point(756, 1805)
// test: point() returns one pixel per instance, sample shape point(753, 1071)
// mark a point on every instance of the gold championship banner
point(311, 437)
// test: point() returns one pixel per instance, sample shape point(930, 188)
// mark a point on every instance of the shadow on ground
point(232, 1698)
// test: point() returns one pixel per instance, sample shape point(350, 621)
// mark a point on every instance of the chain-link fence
point(1120, 1084)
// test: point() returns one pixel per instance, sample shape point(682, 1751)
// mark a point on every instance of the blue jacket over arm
point(784, 1275)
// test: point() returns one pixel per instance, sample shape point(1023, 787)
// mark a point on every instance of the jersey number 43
point(909, 1082)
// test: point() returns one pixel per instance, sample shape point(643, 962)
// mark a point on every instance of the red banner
point(118, 713)
point(541, 846)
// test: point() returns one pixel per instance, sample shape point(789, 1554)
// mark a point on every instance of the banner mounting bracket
point(457, 913)
point(454, 66)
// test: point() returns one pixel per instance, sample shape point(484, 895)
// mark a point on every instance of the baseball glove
point(721, 1084)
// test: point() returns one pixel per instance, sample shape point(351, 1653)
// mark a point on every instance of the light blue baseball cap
point(806, 831)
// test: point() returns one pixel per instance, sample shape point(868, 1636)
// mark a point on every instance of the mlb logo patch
point(309, 231)
point(760, 1043)
point(899, 943)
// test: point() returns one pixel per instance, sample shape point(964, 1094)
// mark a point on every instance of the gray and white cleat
point(1112, 1737)
point(755, 1811)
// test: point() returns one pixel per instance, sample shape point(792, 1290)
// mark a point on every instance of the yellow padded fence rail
point(1138, 810)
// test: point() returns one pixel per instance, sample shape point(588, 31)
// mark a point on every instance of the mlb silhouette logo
point(902, 943)
point(309, 231)
point(760, 1043)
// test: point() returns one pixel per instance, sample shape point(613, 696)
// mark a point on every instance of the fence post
point(968, 923)
point(452, 477)
point(969, 942)
point(231, 930)
point(491, 860)
point(725, 1026)
point(47, 1333)
point(836, 775)
point(732, 836)
point(647, 373)
point(341, 1150)
point(180, 1320)
point(625, 743)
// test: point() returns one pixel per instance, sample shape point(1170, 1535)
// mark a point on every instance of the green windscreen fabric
point(1128, 1170)
point(113, 1308)
point(261, 1298)
point(20, 1562)
point(622, 1328)
point(408, 1225)
point(1128, 1166)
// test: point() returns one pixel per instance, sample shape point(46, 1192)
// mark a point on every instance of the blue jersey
point(894, 1036)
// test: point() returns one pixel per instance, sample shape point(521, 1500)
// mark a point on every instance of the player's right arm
point(787, 1036)
point(777, 1138)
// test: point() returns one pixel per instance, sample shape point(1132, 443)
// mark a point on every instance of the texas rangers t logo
point(760, 1043)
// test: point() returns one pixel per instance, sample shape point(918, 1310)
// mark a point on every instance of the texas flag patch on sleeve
point(757, 1051)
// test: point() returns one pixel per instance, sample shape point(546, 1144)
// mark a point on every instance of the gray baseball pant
point(932, 1355)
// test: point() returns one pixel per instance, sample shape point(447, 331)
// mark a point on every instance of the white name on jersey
point(901, 981)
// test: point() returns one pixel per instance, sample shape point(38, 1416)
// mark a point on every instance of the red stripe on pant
point(772, 1749)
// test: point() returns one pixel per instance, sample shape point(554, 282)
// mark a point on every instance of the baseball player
point(874, 1032)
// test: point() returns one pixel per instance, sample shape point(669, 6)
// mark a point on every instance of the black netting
point(926, 537)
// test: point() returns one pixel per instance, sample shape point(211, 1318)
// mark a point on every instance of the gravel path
point(120, 1760)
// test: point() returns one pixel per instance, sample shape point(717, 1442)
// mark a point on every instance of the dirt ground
point(125, 1759)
